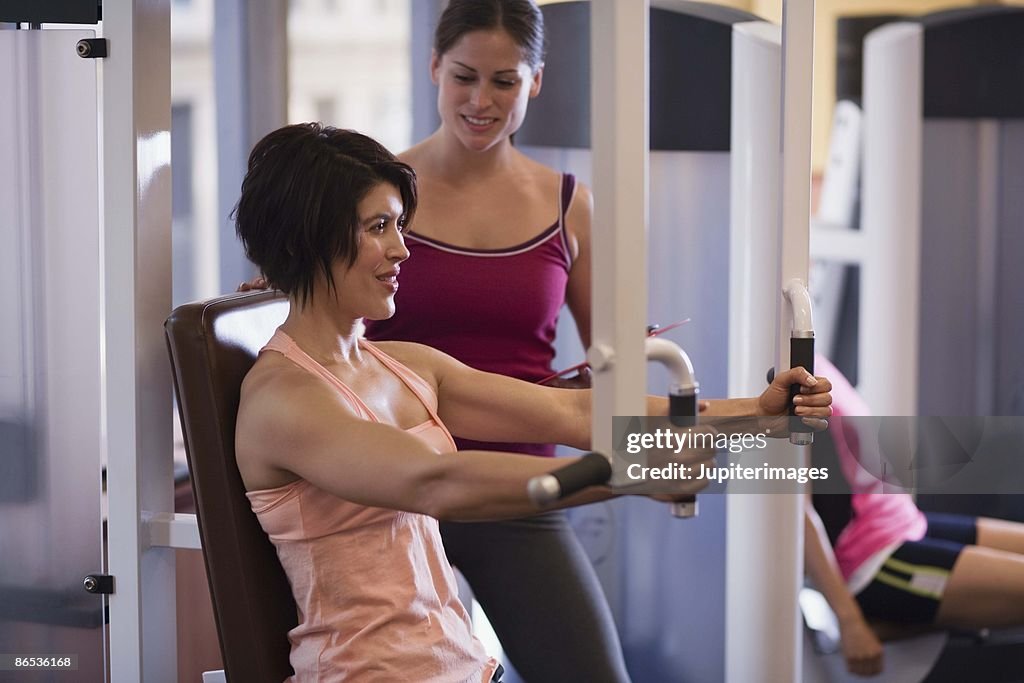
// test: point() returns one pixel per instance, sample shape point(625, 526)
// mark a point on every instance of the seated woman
point(894, 563)
point(344, 445)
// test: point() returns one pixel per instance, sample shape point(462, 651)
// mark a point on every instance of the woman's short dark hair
point(521, 19)
point(299, 206)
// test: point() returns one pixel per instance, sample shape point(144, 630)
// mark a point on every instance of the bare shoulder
point(426, 156)
point(582, 206)
point(578, 219)
point(415, 155)
point(425, 361)
point(432, 193)
point(270, 375)
point(282, 408)
point(546, 177)
point(583, 198)
point(541, 174)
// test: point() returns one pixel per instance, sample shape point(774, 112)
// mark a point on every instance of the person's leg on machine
point(985, 590)
point(1001, 535)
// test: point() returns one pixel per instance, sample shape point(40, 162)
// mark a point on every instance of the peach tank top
point(377, 598)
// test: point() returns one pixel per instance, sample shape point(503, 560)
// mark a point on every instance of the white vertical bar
point(619, 98)
point(784, 575)
point(755, 649)
point(797, 74)
point(136, 220)
point(754, 199)
point(891, 219)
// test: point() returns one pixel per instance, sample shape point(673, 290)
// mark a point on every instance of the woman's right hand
point(861, 648)
point(257, 283)
point(581, 380)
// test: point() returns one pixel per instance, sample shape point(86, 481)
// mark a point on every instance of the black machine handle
point(593, 469)
point(801, 354)
point(683, 410)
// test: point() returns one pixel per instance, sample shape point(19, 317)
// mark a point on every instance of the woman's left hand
point(813, 401)
point(861, 648)
point(256, 284)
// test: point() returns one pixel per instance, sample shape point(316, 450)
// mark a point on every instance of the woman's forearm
point(486, 485)
point(824, 571)
point(731, 407)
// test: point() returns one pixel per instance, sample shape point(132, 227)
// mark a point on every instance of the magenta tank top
point(493, 309)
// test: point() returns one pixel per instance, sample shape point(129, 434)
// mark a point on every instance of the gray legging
point(542, 597)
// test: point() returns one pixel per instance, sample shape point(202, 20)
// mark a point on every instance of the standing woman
point(499, 243)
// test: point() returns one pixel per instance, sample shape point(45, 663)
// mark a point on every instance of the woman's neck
point(450, 159)
point(327, 338)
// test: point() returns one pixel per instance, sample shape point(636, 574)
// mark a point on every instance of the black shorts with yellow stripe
point(910, 584)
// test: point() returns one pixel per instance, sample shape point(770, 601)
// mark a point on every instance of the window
point(358, 55)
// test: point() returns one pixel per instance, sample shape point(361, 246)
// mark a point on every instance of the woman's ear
point(538, 77)
point(435, 67)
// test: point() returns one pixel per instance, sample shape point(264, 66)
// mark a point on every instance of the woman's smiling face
point(484, 86)
point(367, 287)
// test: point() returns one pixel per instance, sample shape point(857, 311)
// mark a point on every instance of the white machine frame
point(136, 220)
point(770, 216)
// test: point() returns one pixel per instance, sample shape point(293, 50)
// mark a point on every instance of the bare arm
point(291, 427)
point(861, 648)
point(485, 406)
point(488, 407)
point(814, 401)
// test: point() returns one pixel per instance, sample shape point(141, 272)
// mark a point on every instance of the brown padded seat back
point(212, 345)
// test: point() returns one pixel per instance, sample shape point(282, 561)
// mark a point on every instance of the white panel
point(891, 219)
point(754, 199)
point(49, 356)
